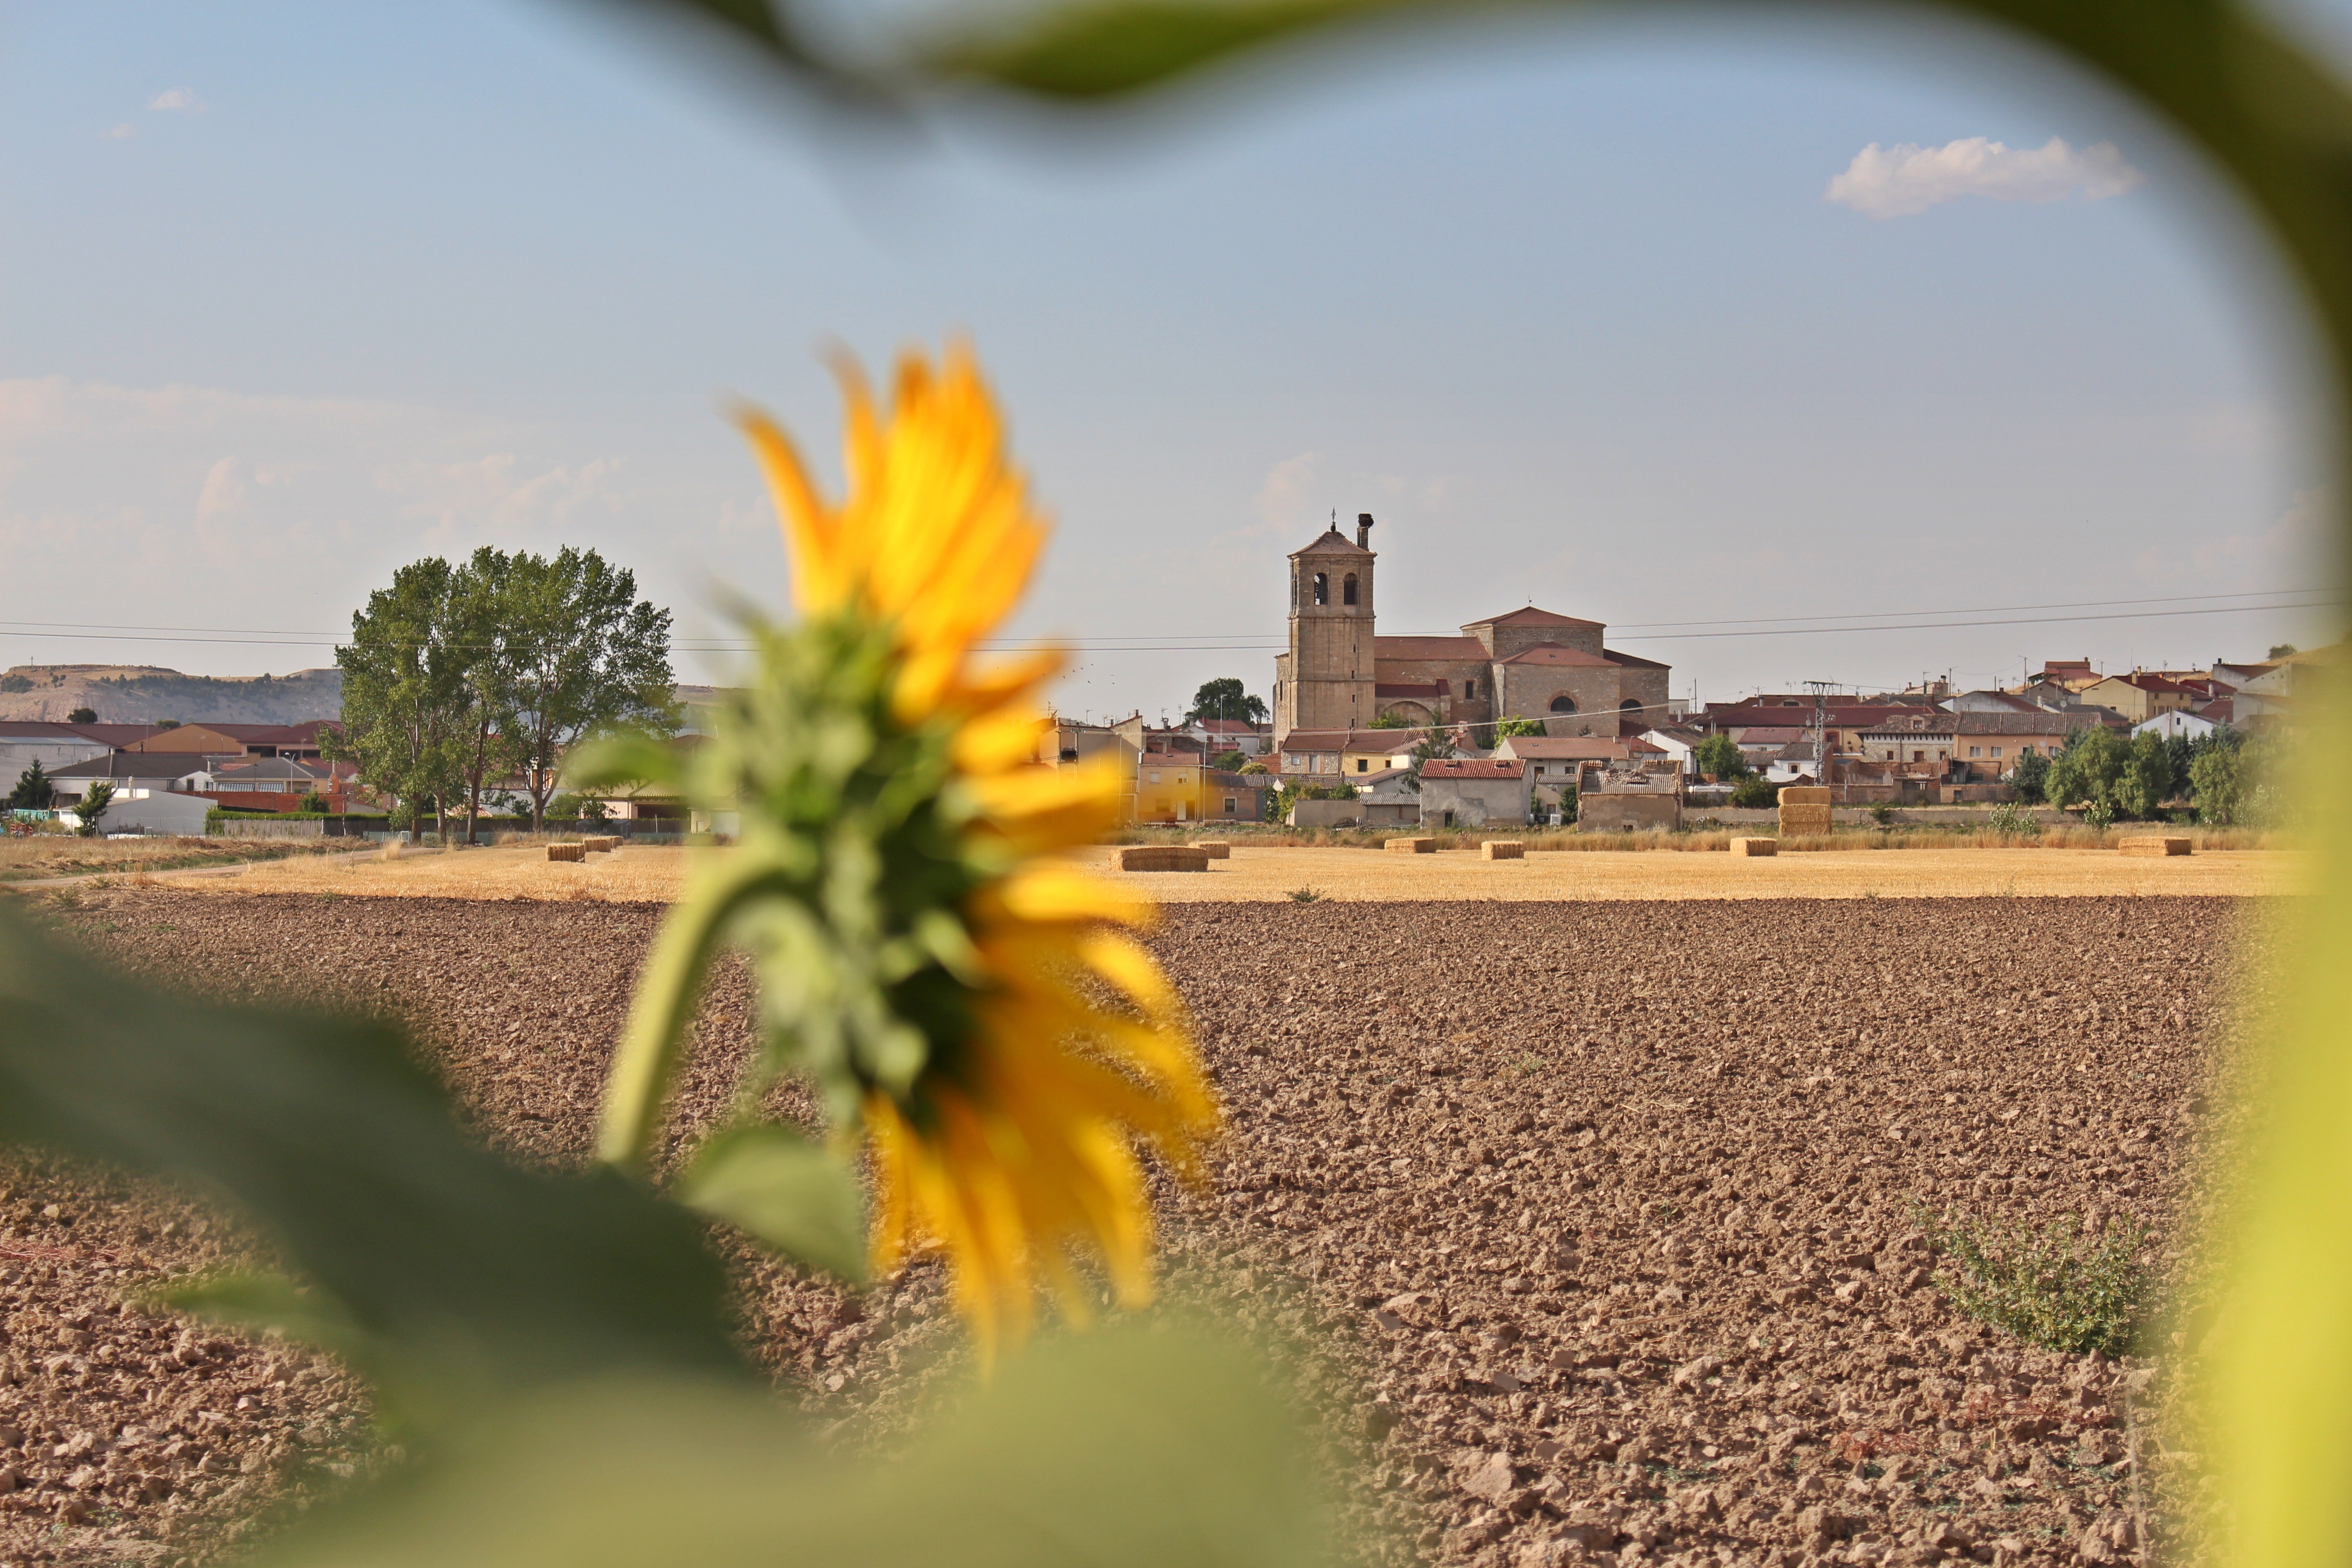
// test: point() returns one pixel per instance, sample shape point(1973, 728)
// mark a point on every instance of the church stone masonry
point(1340, 675)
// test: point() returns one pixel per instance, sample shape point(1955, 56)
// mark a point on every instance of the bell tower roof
point(1331, 541)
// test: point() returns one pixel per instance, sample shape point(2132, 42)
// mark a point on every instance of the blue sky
point(289, 295)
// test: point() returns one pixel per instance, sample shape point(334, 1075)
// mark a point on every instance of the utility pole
point(1821, 690)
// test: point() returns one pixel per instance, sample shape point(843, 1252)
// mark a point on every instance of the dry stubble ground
point(1274, 875)
point(1596, 1223)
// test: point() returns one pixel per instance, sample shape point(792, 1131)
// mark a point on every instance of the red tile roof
point(1556, 747)
point(1633, 662)
point(1480, 768)
point(1531, 616)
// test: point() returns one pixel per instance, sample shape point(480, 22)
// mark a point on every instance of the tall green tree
point(34, 792)
point(587, 654)
point(404, 691)
point(2146, 781)
point(2087, 768)
point(479, 622)
point(2029, 777)
point(1225, 699)
point(2217, 780)
point(95, 802)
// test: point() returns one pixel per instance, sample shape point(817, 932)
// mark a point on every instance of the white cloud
point(122, 133)
point(176, 98)
point(1894, 182)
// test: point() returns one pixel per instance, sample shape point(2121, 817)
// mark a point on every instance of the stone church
point(1340, 675)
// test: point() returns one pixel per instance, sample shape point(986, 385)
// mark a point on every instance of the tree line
point(460, 677)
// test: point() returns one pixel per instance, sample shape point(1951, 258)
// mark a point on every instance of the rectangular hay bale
point(1216, 849)
point(601, 844)
point(1803, 818)
point(1804, 795)
point(2154, 845)
point(1411, 845)
point(1160, 858)
point(1502, 850)
point(567, 851)
point(1755, 847)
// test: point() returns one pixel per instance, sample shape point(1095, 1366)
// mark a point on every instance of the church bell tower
point(1325, 680)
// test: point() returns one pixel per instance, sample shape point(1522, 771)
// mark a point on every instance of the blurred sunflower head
point(964, 998)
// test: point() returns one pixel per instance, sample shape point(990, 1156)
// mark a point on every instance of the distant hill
point(143, 693)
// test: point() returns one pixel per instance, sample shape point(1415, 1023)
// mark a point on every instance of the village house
point(2138, 696)
point(1484, 792)
point(1554, 761)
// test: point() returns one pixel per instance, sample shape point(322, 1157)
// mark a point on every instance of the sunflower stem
point(662, 1009)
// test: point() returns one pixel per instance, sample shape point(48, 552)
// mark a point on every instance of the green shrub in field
point(2055, 1286)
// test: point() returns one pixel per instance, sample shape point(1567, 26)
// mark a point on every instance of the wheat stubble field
point(1595, 1226)
point(652, 873)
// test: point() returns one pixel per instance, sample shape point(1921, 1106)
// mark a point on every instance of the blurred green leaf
point(265, 1303)
point(785, 1190)
point(1130, 1447)
point(462, 1276)
point(1095, 51)
point(622, 757)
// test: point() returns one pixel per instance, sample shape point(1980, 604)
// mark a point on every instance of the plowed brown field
point(1601, 1218)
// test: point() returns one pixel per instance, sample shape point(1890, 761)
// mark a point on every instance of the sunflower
point(973, 1009)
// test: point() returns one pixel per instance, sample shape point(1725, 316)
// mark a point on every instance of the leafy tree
point(2219, 781)
point(1755, 792)
point(1506, 728)
point(34, 792)
point(587, 654)
point(1252, 768)
point(1229, 762)
point(2030, 776)
point(2283, 651)
point(1720, 755)
point(94, 804)
point(2145, 781)
point(82, 716)
point(1390, 722)
point(1224, 699)
point(477, 621)
point(2087, 768)
point(405, 692)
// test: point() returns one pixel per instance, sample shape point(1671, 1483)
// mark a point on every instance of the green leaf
point(462, 1276)
point(786, 1191)
point(622, 757)
point(266, 1303)
point(1095, 51)
point(1148, 1449)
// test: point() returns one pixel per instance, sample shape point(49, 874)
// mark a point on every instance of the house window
point(1976, 750)
point(1470, 689)
point(1996, 750)
point(1348, 589)
point(1363, 764)
point(1563, 703)
point(1229, 805)
point(1918, 756)
point(1322, 588)
point(1155, 777)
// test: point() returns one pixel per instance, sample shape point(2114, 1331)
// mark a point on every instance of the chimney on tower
point(1363, 531)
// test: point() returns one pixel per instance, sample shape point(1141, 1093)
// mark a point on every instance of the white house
point(2176, 723)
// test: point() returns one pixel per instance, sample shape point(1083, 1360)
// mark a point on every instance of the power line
point(90, 631)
